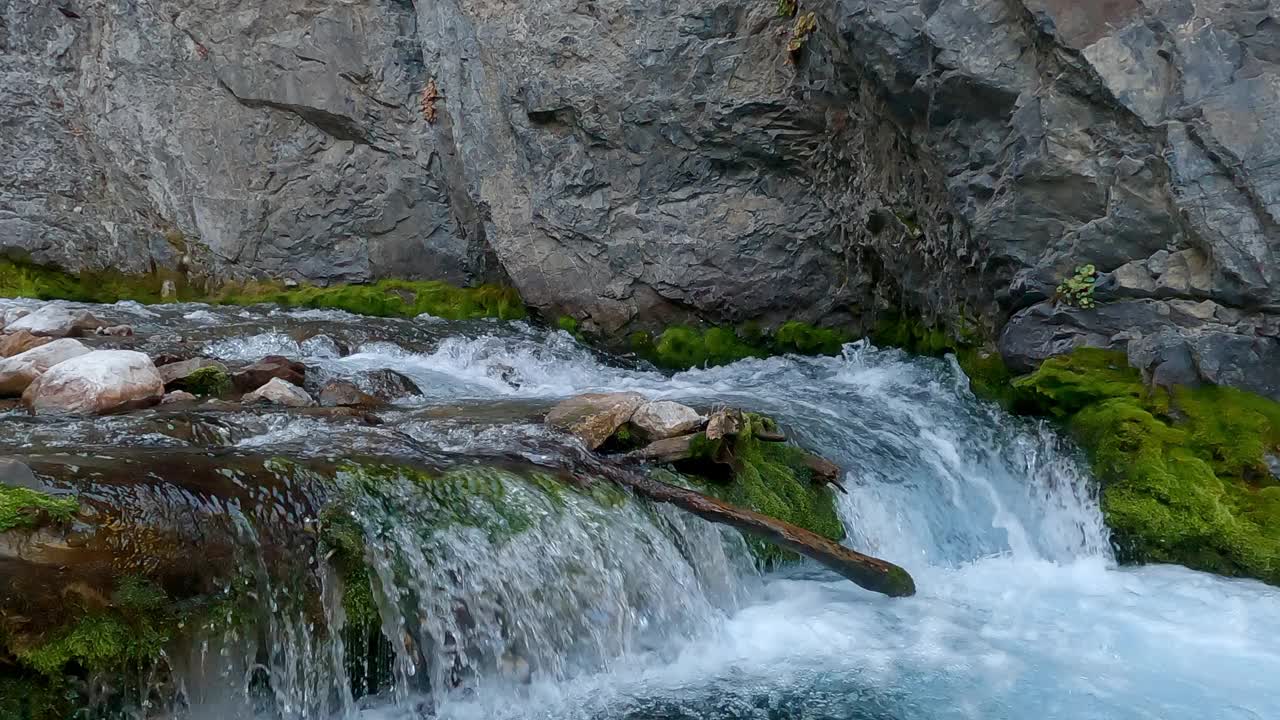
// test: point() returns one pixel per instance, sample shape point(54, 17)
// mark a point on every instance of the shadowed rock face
point(636, 163)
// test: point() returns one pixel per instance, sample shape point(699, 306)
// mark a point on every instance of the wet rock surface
point(649, 163)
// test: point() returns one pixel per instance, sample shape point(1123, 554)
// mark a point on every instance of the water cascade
point(434, 564)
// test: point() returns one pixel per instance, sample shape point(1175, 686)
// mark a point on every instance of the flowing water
point(605, 611)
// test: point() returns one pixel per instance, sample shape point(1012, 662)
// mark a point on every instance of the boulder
point(270, 368)
point(56, 321)
point(19, 371)
point(200, 376)
point(594, 417)
point(280, 392)
point(177, 396)
point(96, 382)
point(20, 342)
point(665, 419)
point(11, 315)
point(340, 393)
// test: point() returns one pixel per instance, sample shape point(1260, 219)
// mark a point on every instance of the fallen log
point(868, 572)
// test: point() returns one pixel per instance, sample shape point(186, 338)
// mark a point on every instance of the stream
point(599, 611)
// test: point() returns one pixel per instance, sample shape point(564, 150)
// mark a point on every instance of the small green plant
point(1077, 290)
point(805, 26)
point(787, 8)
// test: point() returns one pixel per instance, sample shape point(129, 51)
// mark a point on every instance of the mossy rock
point(682, 347)
point(770, 478)
point(205, 382)
point(30, 509)
point(1184, 472)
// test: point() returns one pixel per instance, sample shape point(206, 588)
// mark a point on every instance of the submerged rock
point(55, 321)
point(594, 417)
point(20, 342)
point(280, 392)
point(19, 371)
point(387, 384)
point(340, 393)
point(267, 369)
point(97, 382)
point(665, 419)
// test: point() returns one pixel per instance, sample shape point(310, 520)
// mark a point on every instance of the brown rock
point(340, 393)
point(20, 342)
point(19, 371)
point(667, 450)
point(267, 369)
point(178, 396)
point(594, 417)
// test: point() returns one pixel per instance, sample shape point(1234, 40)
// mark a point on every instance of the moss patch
point(25, 508)
point(386, 298)
point(32, 697)
point(1184, 473)
point(205, 382)
point(681, 347)
point(772, 479)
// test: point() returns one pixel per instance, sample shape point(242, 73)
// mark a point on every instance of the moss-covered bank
point(1184, 472)
point(385, 298)
point(682, 347)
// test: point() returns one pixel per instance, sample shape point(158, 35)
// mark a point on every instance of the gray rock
point(280, 392)
point(97, 382)
point(177, 397)
point(663, 419)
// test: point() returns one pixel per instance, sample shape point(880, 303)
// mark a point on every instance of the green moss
point(804, 339)
point(988, 376)
point(1184, 473)
point(681, 347)
point(913, 335)
point(130, 634)
point(33, 697)
point(386, 298)
point(25, 508)
point(773, 479)
point(567, 324)
point(206, 382)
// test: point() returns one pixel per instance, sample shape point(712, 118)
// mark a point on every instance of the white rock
point(97, 382)
point(665, 419)
point(280, 392)
point(18, 372)
point(55, 321)
point(12, 315)
point(168, 289)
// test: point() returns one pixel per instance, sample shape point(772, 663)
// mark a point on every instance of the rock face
point(638, 163)
point(280, 392)
point(97, 382)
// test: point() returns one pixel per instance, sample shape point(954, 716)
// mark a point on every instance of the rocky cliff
point(641, 162)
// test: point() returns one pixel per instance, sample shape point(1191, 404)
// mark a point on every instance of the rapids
point(634, 612)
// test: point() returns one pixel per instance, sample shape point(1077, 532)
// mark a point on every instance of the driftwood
point(868, 572)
